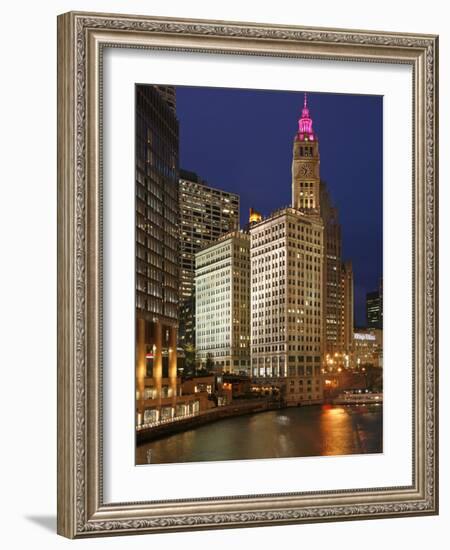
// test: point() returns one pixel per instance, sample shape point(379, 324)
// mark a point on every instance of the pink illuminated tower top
point(305, 130)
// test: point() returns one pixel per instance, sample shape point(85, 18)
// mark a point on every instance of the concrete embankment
point(212, 415)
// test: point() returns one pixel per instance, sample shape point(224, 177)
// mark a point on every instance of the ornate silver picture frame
point(82, 40)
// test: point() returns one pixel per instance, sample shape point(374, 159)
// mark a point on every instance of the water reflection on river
point(303, 431)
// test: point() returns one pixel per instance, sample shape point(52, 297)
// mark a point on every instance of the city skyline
point(256, 320)
point(241, 140)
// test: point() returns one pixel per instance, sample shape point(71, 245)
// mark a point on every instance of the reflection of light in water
point(334, 412)
point(336, 431)
point(284, 445)
point(296, 432)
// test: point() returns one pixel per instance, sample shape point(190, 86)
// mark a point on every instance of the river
point(318, 430)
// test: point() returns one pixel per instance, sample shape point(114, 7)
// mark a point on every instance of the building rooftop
point(287, 210)
point(190, 176)
point(236, 233)
point(187, 175)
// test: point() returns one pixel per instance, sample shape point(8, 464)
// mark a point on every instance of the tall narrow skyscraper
point(333, 289)
point(338, 287)
point(374, 307)
point(157, 260)
point(347, 310)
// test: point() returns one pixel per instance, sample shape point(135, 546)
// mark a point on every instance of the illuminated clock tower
point(306, 166)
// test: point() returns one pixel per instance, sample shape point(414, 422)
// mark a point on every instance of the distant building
point(380, 291)
point(222, 305)
point(206, 213)
point(333, 287)
point(338, 288)
point(374, 308)
point(347, 325)
point(367, 348)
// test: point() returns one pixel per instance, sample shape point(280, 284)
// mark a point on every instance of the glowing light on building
point(305, 123)
point(254, 216)
point(359, 336)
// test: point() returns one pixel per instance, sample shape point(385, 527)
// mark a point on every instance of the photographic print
point(246, 265)
point(259, 303)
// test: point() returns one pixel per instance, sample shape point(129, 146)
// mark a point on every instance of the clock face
point(306, 170)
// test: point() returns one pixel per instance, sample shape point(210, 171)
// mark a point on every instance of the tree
point(209, 365)
point(190, 353)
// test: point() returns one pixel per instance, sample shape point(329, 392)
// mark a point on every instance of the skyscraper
point(347, 326)
point(287, 260)
point(338, 287)
point(222, 306)
point(333, 287)
point(157, 257)
point(286, 303)
point(206, 213)
point(168, 94)
point(374, 308)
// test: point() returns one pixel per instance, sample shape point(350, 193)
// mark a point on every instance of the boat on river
point(358, 397)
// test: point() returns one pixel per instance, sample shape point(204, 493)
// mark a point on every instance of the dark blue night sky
point(241, 141)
